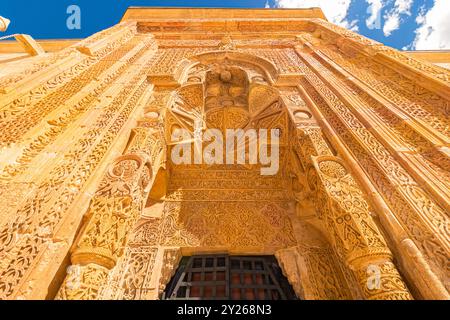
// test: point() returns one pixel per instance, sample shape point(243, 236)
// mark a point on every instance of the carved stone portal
point(353, 212)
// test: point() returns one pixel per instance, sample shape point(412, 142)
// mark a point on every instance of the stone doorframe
point(327, 196)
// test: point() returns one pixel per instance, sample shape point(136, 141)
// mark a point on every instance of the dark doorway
point(223, 277)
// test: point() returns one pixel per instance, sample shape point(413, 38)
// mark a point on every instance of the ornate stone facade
point(93, 207)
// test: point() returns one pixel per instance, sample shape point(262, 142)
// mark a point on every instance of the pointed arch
point(267, 68)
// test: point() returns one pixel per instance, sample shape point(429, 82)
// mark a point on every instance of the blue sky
point(403, 24)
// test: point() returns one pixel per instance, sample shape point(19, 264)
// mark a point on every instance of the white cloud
point(391, 24)
point(394, 16)
point(267, 4)
point(335, 10)
point(433, 32)
point(351, 25)
point(420, 19)
point(404, 6)
point(374, 9)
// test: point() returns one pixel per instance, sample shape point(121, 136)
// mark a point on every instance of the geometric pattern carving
point(364, 135)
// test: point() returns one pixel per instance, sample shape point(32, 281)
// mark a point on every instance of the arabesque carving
point(357, 210)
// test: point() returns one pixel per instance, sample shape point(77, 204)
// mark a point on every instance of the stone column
point(357, 240)
point(342, 208)
point(113, 212)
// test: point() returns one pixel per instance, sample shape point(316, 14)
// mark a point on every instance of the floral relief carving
point(86, 172)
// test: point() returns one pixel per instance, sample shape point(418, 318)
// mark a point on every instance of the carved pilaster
point(380, 280)
point(356, 238)
point(341, 206)
point(113, 211)
point(313, 273)
point(82, 282)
